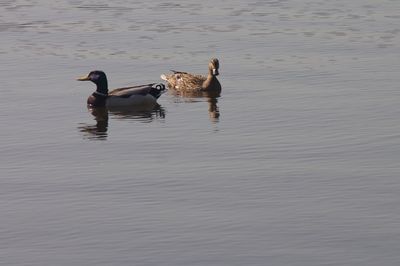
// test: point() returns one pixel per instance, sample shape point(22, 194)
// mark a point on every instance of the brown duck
point(183, 81)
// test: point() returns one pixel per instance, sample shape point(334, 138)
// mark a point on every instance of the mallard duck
point(135, 96)
point(183, 81)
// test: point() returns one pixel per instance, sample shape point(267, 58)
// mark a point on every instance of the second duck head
point(213, 67)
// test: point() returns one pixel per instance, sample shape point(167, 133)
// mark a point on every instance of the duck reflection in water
point(98, 131)
point(211, 97)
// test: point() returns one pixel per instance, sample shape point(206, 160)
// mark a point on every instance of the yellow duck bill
point(84, 78)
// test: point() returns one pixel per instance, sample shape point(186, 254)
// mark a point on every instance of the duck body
point(134, 96)
point(183, 81)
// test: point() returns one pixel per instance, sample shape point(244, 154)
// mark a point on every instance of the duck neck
point(102, 87)
point(210, 80)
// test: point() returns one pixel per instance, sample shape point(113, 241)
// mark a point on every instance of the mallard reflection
point(211, 97)
point(98, 131)
point(145, 116)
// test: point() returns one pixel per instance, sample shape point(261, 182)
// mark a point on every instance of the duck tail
point(164, 77)
point(157, 89)
point(159, 86)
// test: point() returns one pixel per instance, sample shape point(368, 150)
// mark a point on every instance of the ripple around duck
point(105, 7)
point(7, 3)
point(337, 33)
point(13, 26)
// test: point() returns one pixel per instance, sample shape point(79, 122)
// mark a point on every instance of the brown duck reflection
point(98, 131)
point(212, 100)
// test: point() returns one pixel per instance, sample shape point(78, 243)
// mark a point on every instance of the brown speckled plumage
point(183, 81)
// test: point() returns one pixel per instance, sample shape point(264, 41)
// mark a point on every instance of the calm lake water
point(296, 163)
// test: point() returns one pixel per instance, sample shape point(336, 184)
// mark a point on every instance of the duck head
point(213, 66)
point(97, 77)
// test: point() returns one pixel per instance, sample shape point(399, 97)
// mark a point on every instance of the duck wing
point(153, 89)
point(181, 80)
point(172, 78)
point(186, 81)
point(132, 90)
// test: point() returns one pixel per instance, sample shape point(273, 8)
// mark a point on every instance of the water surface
point(296, 163)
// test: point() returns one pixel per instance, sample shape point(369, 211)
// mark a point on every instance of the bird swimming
point(183, 81)
point(134, 96)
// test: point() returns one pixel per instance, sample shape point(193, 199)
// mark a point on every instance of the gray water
point(296, 163)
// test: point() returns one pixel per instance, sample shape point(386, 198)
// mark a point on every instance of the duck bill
point(215, 72)
point(84, 78)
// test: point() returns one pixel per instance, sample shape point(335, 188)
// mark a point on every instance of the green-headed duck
point(135, 96)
